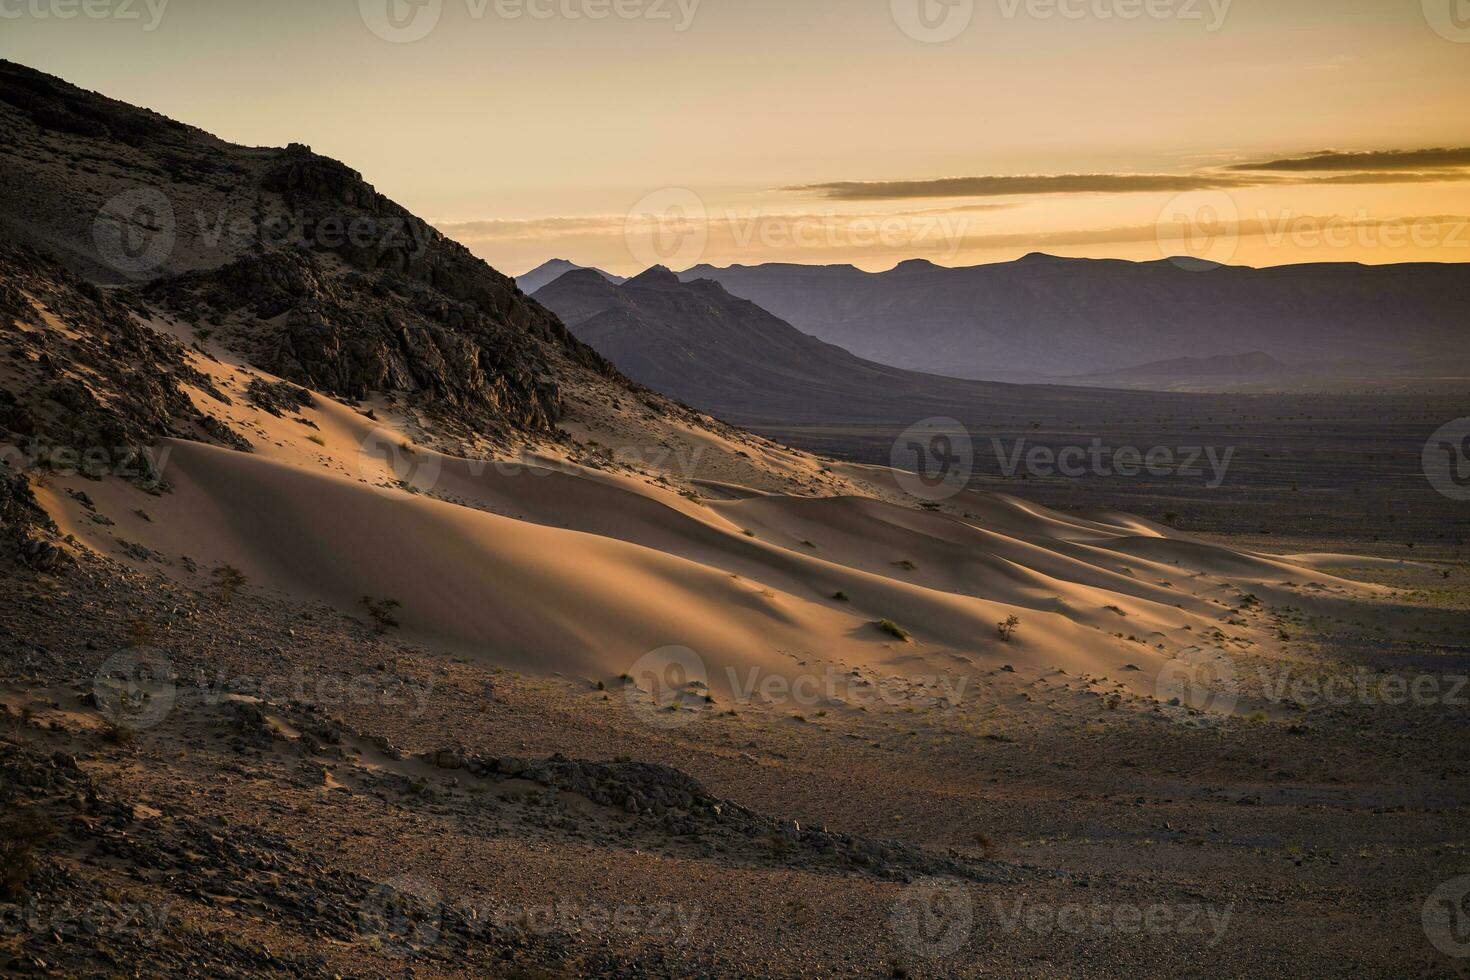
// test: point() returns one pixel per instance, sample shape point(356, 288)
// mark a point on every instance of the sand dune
point(546, 565)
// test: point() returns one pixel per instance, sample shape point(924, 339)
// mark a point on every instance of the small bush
point(906, 565)
point(894, 630)
point(381, 612)
point(228, 581)
point(1007, 629)
point(841, 597)
point(21, 832)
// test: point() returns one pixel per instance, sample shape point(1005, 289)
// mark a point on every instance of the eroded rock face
point(351, 335)
point(84, 385)
point(291, 257)
point(347, 293)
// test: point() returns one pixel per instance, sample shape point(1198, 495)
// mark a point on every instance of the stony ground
point(290, 791)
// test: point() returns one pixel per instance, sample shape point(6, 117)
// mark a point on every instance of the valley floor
point(1037, 824)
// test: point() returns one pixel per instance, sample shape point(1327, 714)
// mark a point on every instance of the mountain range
point(1048, 317)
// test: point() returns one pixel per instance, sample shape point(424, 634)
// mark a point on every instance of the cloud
point(880, 190)
point(1330, 160)
point(1302, 230)
point(506, 229)
point(1390, 177)
point(614, 226)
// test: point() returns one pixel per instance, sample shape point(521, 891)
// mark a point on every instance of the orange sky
point(618, 132)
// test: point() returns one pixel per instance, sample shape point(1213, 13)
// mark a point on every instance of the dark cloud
point(887, 190)
point(1446, 230)
point(1328, 160)
point(1390, 177)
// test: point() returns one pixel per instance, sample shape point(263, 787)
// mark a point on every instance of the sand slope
point(547, 565)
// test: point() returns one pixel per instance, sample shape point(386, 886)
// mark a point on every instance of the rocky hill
point(288, 258)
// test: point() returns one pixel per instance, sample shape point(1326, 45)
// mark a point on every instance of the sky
point(623, 133)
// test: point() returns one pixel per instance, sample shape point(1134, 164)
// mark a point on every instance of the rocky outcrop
point(665, 801)
point(86, 386)
point(293, 258)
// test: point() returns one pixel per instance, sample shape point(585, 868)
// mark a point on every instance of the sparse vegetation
point(118, 734)
point(840, 596)
point(22, 831)
point(906, 565)
point(381, 612)
point(228, 581)
point(894, 630)
point(1007, 629)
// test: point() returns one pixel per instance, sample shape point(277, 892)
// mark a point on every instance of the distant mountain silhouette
point(1049, 316)
point(1256, 364)
point(551, 271)
point(696, 342)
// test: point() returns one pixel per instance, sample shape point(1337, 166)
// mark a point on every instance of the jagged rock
point(278, 397)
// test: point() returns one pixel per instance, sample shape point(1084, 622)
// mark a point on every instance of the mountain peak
point(552, 270)
point(916, 265)
point(656, 277)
